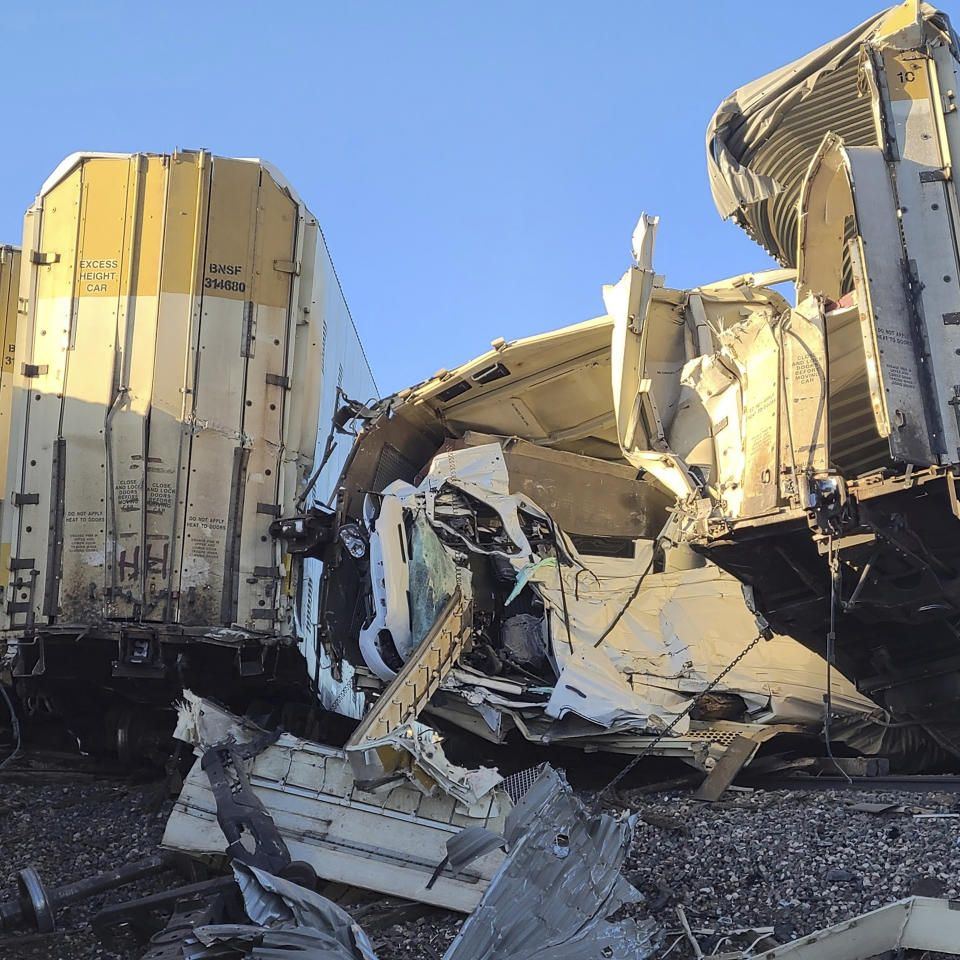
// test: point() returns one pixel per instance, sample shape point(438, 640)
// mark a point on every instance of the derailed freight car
point(182, 345)
point(814, 455)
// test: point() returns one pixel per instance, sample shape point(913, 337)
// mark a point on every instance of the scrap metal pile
point(711, 525)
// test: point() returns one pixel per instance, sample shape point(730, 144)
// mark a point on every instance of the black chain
point(666, 730)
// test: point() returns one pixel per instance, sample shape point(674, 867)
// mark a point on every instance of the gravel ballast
point(792, 860)
point(796, 861)
point(72, 828)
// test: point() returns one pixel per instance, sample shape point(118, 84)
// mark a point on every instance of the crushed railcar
point(814, 453)
point(493, 548)
point(182, 347)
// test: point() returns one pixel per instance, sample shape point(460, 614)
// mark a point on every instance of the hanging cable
point(833, 562)
point(689, 709)
point(14, 726)
point(563, 592)
point(630, 599)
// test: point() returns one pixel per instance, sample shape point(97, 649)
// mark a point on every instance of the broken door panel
point(803, 439)
point(854, 185)
point(389, 841)
point(647, 355)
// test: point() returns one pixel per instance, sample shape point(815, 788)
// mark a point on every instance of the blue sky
point(477, 168)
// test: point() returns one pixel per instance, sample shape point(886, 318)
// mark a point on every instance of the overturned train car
point(814, 453)
point(182, 345)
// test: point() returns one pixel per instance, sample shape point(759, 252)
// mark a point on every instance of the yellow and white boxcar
point(183, 340)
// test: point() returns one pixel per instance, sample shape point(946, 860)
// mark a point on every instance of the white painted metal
point(389, 842)
point(920, 923)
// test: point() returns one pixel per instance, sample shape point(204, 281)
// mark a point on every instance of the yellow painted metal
point(90, 395)
point(129, 550)
point(257, 558)
point(900, 18)
point(906, 73)
point(217, 392)
point(153, 439)
point(9, 300)
point(50, 237)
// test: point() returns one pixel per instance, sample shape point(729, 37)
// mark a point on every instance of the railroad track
point(918, 783)
point(37, 765)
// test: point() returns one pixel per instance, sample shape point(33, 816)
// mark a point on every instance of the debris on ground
point(792, 860)
point(713, 529)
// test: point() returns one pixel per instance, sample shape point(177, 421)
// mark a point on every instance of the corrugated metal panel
point(560, 881)
point(763, 136)
point(785, 154)
point(855, 445)
point(51, 241)
point(170, 318)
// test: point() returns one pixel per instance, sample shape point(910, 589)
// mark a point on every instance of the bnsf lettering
point(221, 272)
point(218, 283)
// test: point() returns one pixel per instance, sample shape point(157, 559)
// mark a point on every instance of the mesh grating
point(392, 465)
point(517, 784)
point(713, 735)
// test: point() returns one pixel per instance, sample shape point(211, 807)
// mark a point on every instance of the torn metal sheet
point(252, 836)
point(563, 646)
point(762, 136)
point(429, 768)
point(390, 743)
point(585, 496)
point(591, 687)
point(559, 883)
point(388, 840)
point(676, 634)
point(626, 654)
point(287, 920)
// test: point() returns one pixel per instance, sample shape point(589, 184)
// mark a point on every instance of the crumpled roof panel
point(763, 136)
